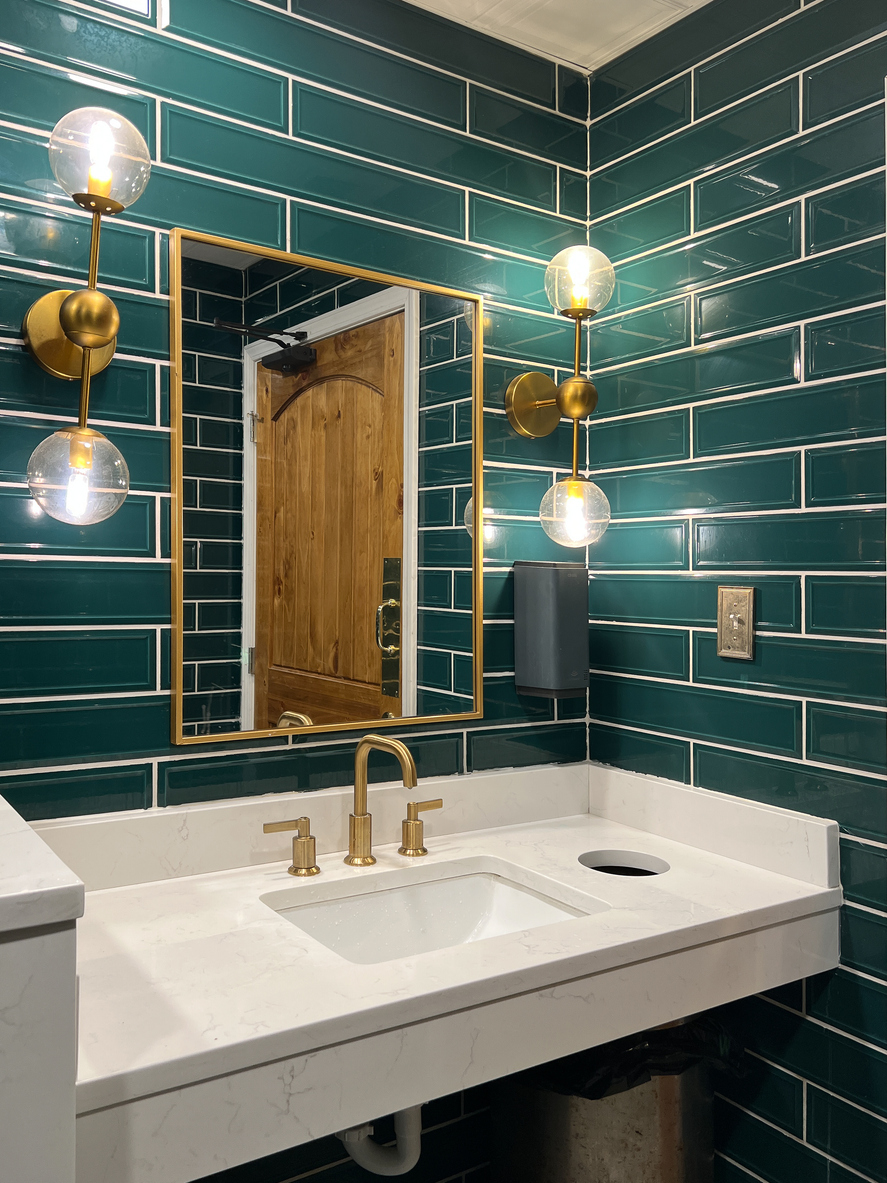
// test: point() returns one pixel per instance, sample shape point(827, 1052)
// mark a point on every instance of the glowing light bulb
point(101, 149)
point(77, 494)
point(575, 522)
point(579, 267)
point(574, 512)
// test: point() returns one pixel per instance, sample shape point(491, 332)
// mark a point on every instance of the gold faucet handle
point(304, 845)
point(413, 828)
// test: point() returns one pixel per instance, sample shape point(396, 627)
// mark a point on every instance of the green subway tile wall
point(754, 419)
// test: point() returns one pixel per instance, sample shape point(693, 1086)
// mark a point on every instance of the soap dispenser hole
point(623, 862)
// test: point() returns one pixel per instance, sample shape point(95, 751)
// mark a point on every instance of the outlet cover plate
point(736, 623)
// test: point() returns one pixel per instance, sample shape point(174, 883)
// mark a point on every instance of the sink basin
point(385, 924)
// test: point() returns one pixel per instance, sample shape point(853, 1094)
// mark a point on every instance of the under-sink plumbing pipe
point(387, 1160)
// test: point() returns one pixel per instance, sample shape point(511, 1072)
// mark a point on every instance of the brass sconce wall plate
point(51, 348)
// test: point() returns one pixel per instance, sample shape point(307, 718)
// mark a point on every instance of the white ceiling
point(586, 33)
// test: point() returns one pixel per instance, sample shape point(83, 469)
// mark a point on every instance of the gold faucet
point(360, 823)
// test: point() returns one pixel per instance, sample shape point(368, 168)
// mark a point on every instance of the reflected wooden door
point(329, 487)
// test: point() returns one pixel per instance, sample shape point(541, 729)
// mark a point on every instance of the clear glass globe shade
point(579, 277)
point(491, 530)
point(94, 150)
point(78, 477)
point(574, 513)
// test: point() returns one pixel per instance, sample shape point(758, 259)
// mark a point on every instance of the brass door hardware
point(360, 823)
point(294, 719)
point(736, 622)
point(388, 650)
point(388, 627)
point(413, 828)
point(304, 846)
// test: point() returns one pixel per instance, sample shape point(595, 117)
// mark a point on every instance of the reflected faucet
point(360, 823)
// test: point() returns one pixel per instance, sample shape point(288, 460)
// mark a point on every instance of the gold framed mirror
point(327, 447)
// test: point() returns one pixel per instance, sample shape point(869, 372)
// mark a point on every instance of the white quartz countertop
point(36, 887)
point(195, 977)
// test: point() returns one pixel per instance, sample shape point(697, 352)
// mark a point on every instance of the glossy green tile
point(197, 524)
point(501, 442)
point(639, 123)
point(691, 600)
point(811, 161)
point(766, 1092)
point(513, 491)
point(847, 1133)
point(445, 466)
point(434, 39)
point(278, 41)
point(85, 593)
point(499, 648)
point(197, 462)
point(38, 96)
point(842, 605)
point(444, 630)
point(202, 143)
point(848, 736)
point(765, 1150)
point(751, 246)
point(853, 276)
point(641, 546)
point(813, 668)
point(208, 585)
point(437, 343)
point(144, 323)
point(60, 663)
point(146, 454)
point(846, 476)
point(494, 117)
point(435, 507)
point(124, 391)
point(498, 595)
point(211, 711)
point(445, 382)
point(572, 92)
point(445, 548)
point(617, 443)
point(857, 803)
point(58, 242)
point(435, 669)
point(347, 240)
point(182, 782)
point(852, 1003)
point(547, 340)
point(808, 414)
point(769, 724)
point(523, 540)
point(572, 194)
point(663, 653)
point(62, 794)
point(639, 334)
point(814, 542)
point(520, 747)
point(790, 1040)
point(516, 229)
point(218, 675)
point(66, 731)
point(845, 344)
point(129, 533)
point(864, 880)
point(649, 225)
point(418, 146)
point(648, 754)
point(435, 589)
point(211, 646)
point(845, 214)
point(769, 482)
point(854, 79)
point(502, 703)
point(143, 57)
point(680, 45)
point(746, 128)
point(814, 33)
point(772, 359)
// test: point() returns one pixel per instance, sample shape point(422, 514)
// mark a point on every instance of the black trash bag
point(625, 1063)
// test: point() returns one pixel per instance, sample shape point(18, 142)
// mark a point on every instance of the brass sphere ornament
point(89, 319)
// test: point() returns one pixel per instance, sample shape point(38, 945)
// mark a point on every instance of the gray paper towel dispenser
point(551, 629)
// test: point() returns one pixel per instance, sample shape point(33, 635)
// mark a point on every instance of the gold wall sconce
point(574, 512)
point(101, 161)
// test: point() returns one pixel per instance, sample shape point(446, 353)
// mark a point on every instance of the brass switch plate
point(736, 622)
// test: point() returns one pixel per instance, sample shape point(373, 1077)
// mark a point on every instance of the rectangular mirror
point(323, 576)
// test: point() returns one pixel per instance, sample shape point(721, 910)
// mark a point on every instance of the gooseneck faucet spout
point(360, 823)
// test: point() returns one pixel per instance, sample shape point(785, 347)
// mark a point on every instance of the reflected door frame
point(340, 320)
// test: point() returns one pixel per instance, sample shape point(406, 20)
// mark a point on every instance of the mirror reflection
point(327, 455)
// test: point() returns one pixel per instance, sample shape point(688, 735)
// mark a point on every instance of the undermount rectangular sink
point(386, 924)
